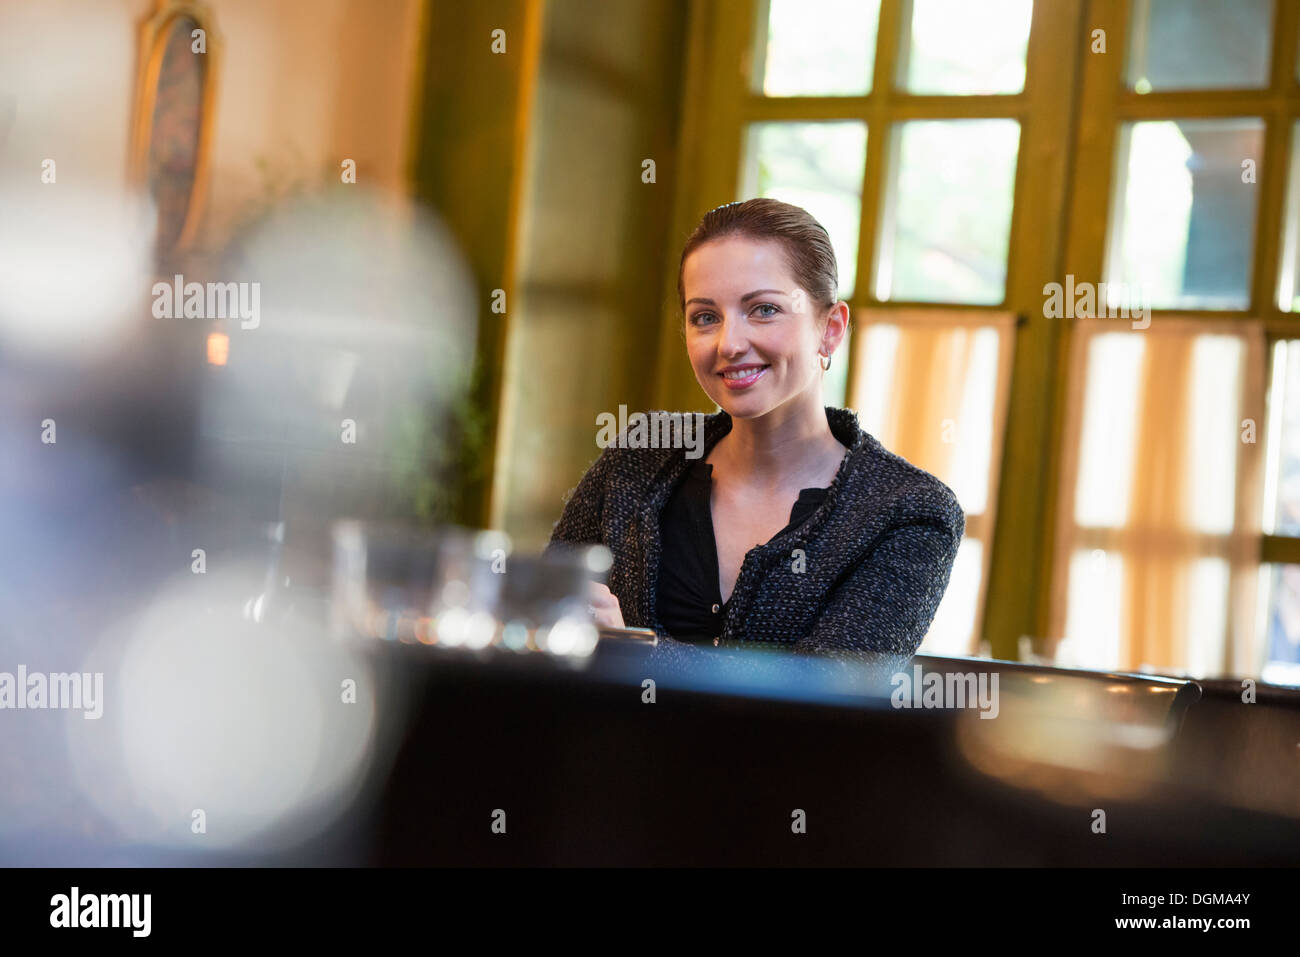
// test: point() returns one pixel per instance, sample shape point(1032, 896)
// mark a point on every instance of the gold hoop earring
point(827, 366)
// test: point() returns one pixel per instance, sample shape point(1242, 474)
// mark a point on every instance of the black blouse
point(689, 599)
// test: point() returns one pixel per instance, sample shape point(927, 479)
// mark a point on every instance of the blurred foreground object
point(463, 589)
point(75, 269)
point(173, 538)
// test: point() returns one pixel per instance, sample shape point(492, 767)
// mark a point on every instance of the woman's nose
point(734, 340)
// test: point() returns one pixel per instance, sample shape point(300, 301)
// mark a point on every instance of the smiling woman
point(795, 529)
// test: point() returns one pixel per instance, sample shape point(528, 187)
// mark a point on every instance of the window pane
point(1282, 475)
point(875, 391)
point(1213, 428)
point(1288, 291)
point(948, 214)
point(1207, 617)
point(953, 627)
point(973, 426)
point(1199, 44)
point(956, 46)
point(929, 393)
point(835, 384)
point(1108, 440)
point(1095, 602)
point(817, 166)
point(1100, 620)
point(817, 48)
point(1156, 488)
point(1199, 427)
point(1281, 624)
point(1184, 233)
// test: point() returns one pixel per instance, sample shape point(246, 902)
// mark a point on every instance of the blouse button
point(715, 609)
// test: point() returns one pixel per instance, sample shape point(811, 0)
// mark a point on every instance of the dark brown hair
point(807, 245)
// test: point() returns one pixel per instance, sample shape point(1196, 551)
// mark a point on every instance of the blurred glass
point(817, 48)
point(544, 604)
point(461, 588)
point(1198, 44)
point(1184, 233)
point(818, 166)
point(404, 585)
point(947, 220)
point(68, 295)
point(209, 704)
point(955, 46)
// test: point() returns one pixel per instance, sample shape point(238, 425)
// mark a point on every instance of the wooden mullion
point(1273, 167)
point(1286, 31)
point(1092, 168)
point(874, 185)
point(709, 160)
point(1270, 180)
point(757, 108)
point(1020, 571)
point(1210, 104)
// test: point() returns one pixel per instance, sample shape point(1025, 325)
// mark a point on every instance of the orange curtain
point(931, 364)
point(932, 386)
point(1182, 562)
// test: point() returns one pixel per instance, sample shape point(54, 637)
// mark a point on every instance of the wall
point(299, 86)
point(593, 247)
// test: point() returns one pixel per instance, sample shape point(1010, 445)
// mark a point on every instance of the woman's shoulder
point(882, 477)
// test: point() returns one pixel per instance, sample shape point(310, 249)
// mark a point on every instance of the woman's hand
point(604, 607)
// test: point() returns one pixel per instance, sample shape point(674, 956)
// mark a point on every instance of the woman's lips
point(746, 381)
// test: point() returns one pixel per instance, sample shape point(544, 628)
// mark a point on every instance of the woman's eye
point(701, 318)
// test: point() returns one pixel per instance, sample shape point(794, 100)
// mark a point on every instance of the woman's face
point(752, 335)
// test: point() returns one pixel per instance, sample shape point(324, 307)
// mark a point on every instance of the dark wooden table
point(587, 773)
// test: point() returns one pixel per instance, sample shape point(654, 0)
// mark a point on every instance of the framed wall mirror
point(175, 95)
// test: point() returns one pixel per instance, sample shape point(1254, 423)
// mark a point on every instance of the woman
point(795, 529)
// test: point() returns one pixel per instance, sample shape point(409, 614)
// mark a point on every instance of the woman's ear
point(837, 324)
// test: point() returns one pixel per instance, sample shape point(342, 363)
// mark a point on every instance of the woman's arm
point(579, 523)
point(886, 604)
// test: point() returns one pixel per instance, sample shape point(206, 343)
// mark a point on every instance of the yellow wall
point(301, 84)
point(592, 248)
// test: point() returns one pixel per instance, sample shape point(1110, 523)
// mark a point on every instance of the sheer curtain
point(1158, 518)
point(932, 386)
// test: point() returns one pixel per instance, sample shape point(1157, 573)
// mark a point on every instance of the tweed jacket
point(864, 573)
